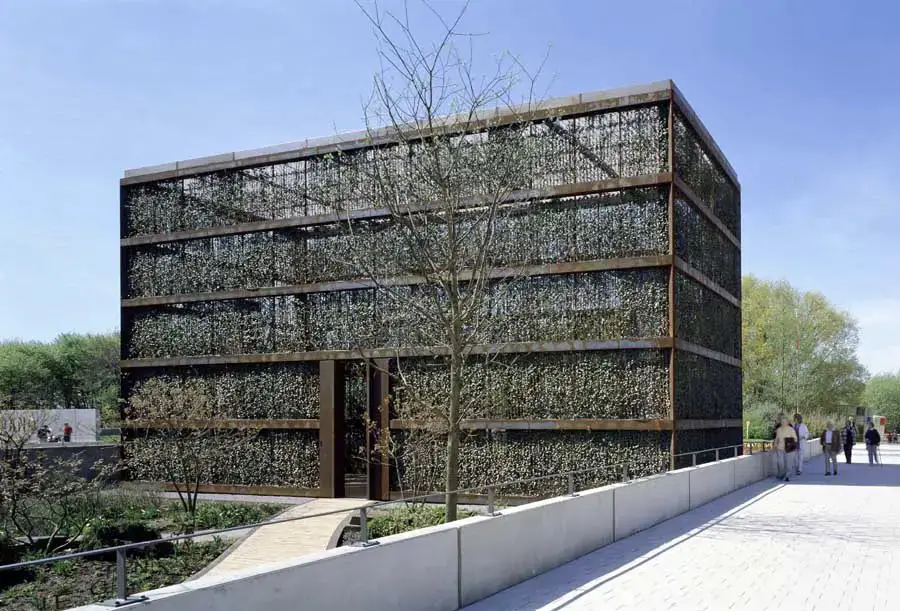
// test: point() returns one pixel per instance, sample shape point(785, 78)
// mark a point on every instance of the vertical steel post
point(735, 451)
point(121, 583)
point(571, 479)
point(363, 525)
point(670, 120)
point(490, 493)
point(717, 454)
point(625, 472)
point(694, 458)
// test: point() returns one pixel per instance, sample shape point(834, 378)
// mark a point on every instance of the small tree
point(183, 438)
point(43, 499)
point(448, 181)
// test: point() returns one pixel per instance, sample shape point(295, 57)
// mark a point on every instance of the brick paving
point(276, 542)
point(818, 543)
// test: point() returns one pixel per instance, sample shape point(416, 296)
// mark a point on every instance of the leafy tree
point(799, 351)
point(73, 371)
point(883, 396)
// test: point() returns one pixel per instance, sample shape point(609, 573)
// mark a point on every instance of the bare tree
point(454, 162)
point(43, 499)
point(183, 438)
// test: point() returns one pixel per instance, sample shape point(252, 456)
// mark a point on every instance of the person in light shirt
point(802, 436)
point(831, 446)
point(785, 450)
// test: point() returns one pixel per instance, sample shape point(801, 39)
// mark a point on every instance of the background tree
point(73, 371)
point(447, 184)
point(800, 352)
point(882, 395)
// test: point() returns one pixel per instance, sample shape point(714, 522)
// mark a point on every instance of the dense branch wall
point(615, 304)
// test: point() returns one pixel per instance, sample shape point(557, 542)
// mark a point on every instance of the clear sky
point(803, 98)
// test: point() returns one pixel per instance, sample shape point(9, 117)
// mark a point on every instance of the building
point(630, 342)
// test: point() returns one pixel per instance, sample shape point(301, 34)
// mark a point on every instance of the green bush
point(408, 518)
point(228, 515)
point(106, 533)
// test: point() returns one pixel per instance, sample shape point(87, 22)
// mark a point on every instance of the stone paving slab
point(815, 544)
point(277, 542)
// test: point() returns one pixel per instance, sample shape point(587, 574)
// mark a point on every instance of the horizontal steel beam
point(704, 209)
point(696, 275)
point(696, 425)
point(578, 424)
point(231, 423)
point(640, 343)
point(454, 124)
point(710, 354)
point(584, 188)
point(546, 269)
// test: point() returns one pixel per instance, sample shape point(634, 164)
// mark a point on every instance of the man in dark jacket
point(873, 440)
point(848, 437)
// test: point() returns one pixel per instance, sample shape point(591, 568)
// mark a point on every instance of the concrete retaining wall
point(452, 565)
point(496, 553)
point(642, 503)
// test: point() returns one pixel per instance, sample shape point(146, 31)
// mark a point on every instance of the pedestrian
point(67, 432)
point(848, 438)
point(785, 450)
point(802, 435)
point(873, 440)
point(831, 445)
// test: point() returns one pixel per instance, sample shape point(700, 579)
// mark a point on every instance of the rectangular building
point(629, 343)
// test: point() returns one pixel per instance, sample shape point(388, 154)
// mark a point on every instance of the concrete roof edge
point(301, 147)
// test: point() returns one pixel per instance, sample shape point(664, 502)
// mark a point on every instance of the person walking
point(848, 438)
point(873, 440)
point(802, 435)
point(831, 445)
point(785, 450)
point(67, 432)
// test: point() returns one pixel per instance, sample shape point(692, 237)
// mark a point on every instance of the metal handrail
point(121, 550)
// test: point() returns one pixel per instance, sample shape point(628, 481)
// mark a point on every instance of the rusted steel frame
point(670, 213)
point(545, 269)
point(255, 490)
point(700, 424)
point(579, 424)
point(125, 339)
point(523, 195)
point(331, 428)
point(706, 352)
point(378, 438)
point(640, 343)
point(704, 136)
point(699, 277)
point(705, 210)
point(229, 423)
point(452, 125)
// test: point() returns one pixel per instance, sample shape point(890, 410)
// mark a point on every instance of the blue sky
point(801, 97)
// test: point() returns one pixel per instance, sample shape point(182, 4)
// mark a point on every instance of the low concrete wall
point(532, 539)
point(84, 455)
point(750, 469)
point(645, 502)
point(456, 564)
point(710, 481)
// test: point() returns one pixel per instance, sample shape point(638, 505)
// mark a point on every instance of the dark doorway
point(356, 459)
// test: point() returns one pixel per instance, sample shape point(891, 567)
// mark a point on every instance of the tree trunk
point(452, 473)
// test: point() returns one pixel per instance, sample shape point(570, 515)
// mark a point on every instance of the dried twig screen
point(621, 340)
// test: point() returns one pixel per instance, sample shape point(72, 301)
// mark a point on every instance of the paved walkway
point(818, 543)
point(277, 542)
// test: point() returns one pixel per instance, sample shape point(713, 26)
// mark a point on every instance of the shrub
point(106, 533)
point(408, 518)
point(228, 515)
